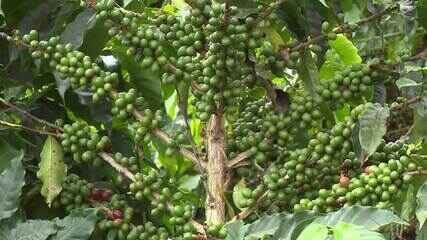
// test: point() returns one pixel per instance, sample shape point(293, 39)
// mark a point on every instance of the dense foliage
point(200, 119)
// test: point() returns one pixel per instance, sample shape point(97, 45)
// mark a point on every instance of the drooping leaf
point(373, 127)
point(406, 83)
point(11, 182)
point(75, 31)
point(346, 231)
point(421, 211)
point(236, 230)
point(369, 217)
point(265, 226)
point(314, 231)
point(79, 225)
point(52, 169)
point(345, 49)
point(33, 230)
point(293, 224)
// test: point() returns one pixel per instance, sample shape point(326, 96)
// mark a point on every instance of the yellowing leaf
point(52, 170)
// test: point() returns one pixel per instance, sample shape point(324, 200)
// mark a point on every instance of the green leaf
point(346, 231)
point(421, 211)
point(189, 183)
point(308, 72)
point(79, 225)
point(7, 153)
point(11, 182)
point(52, 169)
point(146, 82)
point(408, 206)
point(331, 66)
point(406, 82)
point(236, 230)
point(75, 31)
point(293, 224)
point(352, 13)
point(346, 50)
point(33, 230)
point(314, 231)
point(373, 127)
point(265, 226)
point(171, 105)
point(369, 217)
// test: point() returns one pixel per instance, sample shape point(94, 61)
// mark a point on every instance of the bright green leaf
point(171, 105)
point(323, 2)
point(314, 231)
point(11, 182)
point(189, 183)
point(373, 127)
point(331, 66)
point(409, 204)
point(369, 217)
point(345, 49)
point(421, 211)
point(346, 231)
point(52, 169)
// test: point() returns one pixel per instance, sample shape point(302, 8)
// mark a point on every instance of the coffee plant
point(203, 119)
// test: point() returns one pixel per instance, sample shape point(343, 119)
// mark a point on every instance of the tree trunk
point(215, 201)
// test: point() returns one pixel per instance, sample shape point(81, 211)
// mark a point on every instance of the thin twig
point(418, 173)
point(20, 110)
point(109, 159)
point(239, 160)
point(12, 125)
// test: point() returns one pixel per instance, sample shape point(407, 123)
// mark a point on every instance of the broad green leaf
point(406, 82)
point(346, 231)
point(75, 31)
point(293, 224)
point(408, 206)
point(236, 230)
point(421, 211)
point(196, 130)
point(171, 105)
point(78, 225)
point(373, 127)
point(33, 230)
point(345, 49)
point(331, 66)
point(7, 153)
point(52, 169)
point(264, 226)
point(11, 182)
point(189, 183)
point(314, 231)
point(342, 113)
point(369, 217)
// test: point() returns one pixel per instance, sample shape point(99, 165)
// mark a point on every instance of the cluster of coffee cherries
point(130, 163)
point(378, 185)
point(179, 139)
point(72, 65)
point(181, 215)
point(150, 186)
point(75, 193)
point(348, 84)
point(83, 142)
point(125, 103)
point(143, 128)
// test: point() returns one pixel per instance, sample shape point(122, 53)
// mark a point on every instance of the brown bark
point(216, 173)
